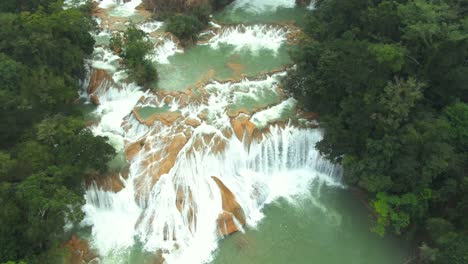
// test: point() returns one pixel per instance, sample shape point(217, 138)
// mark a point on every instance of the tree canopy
point(46, 149)
point(389, 80)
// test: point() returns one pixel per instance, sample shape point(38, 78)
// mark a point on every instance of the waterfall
point(176, 213)
point(227, 150)
point(253, 38)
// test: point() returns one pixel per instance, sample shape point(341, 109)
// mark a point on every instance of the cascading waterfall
point(253, 38)
point(282, 165)
point(188, 184)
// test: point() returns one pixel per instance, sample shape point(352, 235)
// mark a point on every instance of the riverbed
point(219, 114)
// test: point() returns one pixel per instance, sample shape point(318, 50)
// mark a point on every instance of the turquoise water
point(332, 229)
point(201, 62)
point(279, 15)
point(328, 226)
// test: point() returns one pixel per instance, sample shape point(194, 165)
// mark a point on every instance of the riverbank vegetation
point(185, 19)
point(133, 46)
point(46, 151)
point(390, 81)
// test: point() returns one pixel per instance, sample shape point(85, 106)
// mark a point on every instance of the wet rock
point(133, 149)
point(242, 125)
point(231, 209)
point(166, 118)
point(203, 115)
point(161, 162)
point(98, 76)
point(79, 251)
point(192, 122)
point(94, 99)
point(110, 182)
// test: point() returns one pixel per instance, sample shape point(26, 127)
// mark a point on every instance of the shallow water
point(296, 209)
point(331, 229)
point(202, 62)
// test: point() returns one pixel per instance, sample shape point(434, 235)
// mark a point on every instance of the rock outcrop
point(167, 118)
point(99, 82)
point(231, 210)
point(110, 182)
point(241, 125)
point(79, 251)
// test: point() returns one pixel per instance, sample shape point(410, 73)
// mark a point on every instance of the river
point(218, 147)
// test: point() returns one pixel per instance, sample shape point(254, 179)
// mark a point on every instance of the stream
point(217, 164)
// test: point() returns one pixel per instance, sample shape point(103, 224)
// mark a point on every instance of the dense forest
point(390, 81)
point(46, 151)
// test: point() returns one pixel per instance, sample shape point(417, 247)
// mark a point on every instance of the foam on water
point(283, 164)
point(176, 213)
point(151, 26)
point(253, 38)
point(263, 118)
point(119, 7)
point(115, 105)
point(103, 58)
point(165, 48)
point(259, 6)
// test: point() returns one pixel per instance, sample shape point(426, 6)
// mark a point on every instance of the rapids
point(213, 150)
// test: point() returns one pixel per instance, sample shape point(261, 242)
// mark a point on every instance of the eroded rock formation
point(232, 211)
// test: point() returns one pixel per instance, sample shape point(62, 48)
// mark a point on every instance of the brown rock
point(166, 118)
point(203, 115)
point(231, 209)
point(133, 149)
point(162, 161)
point(94, 99)
point(110, 182)
point(241, 124)
point(98, 76)
point(192, 122)
point(79, 251)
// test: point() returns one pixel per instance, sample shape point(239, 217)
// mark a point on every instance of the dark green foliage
point(202, 13)
point(389, 80)
point(133, 46)
point(184, 27)
point(46, 151)
point(218, 4)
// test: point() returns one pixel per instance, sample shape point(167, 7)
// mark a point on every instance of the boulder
point(111, 182)
point(166, 118)
point(192, 122)
point(231, 209)
point(94, 99)
point(98, 76)
point(241, 124)
point(161, 162)
point(79, 251)
point(133, 149)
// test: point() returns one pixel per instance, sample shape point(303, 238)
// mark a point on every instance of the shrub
point(184, 27)
point(133, 48)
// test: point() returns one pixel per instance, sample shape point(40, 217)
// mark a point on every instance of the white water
point(259, 6)
point(115, 105)
point(151, 26)
point(253, 38)
point(284, 164)
point(165, 48)
point(263, 118)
